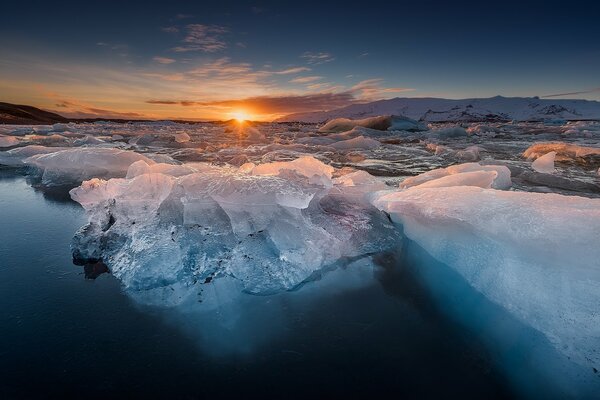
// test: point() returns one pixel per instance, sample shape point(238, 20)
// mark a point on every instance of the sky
point(208, 60)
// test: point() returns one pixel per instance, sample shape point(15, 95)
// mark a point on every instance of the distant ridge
point(429, 109)
point(27, 115)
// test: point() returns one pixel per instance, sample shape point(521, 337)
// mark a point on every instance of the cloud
point(184, 16)
point(372, 89)
point(317, 58)
point(164, 60)
point(274, 104)
point(170, 29)
point(76, 109)
point(293, 70)
point(573, 93)
point(306, 79)
point(206, 38)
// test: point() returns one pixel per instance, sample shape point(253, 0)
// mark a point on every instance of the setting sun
point(240, 116)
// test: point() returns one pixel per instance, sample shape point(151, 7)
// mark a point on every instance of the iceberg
point(534, 254)
point(564, 151)
point(545, 163)
point(500, 180)
point(271, 226)
point(359, 142)
point(79, 164)
point(381, 123)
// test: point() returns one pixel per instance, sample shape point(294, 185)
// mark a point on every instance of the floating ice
point(564, 151)
point(381, 123)
point(270, 226)
point(15, 157)
point(545, 163)
point(8, 141)
point(501, 179)
point(359, 142)
point(79, 164)
point(445, 133)
point(534, 254)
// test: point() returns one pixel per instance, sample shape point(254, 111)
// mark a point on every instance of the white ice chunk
point(564, 151)
point(79, 164)
point(309, 167)
point(545, 163)
point(8, 141)
point(360, 142)
point(534, 254)
point(15, 157)
point(482, 179)
point(501, 181)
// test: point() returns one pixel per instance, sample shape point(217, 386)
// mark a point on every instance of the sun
point(240, 116)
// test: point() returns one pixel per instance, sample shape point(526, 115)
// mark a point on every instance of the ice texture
point(8, 141)
point(468, 174)
point(545, 163)
point(536, 255)
point(381, 123)
point(564, 151)
point(79, 164)
point(270, 226)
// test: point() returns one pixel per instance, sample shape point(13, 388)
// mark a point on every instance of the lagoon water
point(365, 329)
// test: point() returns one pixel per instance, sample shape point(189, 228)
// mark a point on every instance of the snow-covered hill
point(466, 110)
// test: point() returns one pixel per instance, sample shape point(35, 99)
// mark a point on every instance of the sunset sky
point(211, 60)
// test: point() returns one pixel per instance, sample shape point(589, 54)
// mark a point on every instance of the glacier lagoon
point(436, 230)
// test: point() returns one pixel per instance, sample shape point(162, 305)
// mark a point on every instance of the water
point(361, 331)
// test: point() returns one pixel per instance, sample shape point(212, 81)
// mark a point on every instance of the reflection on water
point(364, 329)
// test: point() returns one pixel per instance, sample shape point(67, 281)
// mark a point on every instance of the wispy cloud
point(76, 109)
point(306, 79)
point(573, 93)
point(164, 60)
point(317, 58)
point(170, 29)
point(206, 38)
point(274, 104)
point(372, 89)
point(184, 16)
point(289, 71)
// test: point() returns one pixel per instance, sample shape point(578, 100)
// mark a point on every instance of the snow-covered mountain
point(466, 110)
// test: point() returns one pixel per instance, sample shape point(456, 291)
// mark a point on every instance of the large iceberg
point(536, 255)
point(271, 226)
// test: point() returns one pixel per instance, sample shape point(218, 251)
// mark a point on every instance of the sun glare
point(240, 116)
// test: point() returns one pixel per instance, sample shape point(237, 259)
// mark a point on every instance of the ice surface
point(534, 254)
point(499, 180)
point(270, 226)
point(15, 157)
point(381, 123)
point(444, 133)
point(79, 164)
point(359, 142)
point(563, 151)
point(8, 141)
point(545, 163)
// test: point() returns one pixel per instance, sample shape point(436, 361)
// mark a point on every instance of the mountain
point(27, 115)
point(431, 109)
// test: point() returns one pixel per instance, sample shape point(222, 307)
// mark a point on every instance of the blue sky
point(182, 59)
